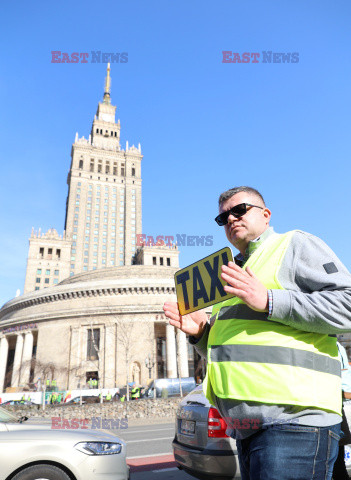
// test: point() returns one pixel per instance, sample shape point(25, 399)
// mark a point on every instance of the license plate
point(187, 427)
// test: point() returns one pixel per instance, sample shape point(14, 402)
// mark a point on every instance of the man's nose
point(231, 218)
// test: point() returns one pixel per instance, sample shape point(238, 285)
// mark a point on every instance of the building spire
point(107, 96)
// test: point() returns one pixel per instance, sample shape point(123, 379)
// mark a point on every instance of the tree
point(126, 334)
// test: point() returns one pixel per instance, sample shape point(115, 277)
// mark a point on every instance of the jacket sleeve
point(317, 288)
point(200, 344)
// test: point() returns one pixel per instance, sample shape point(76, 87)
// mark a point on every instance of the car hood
point(46, 432)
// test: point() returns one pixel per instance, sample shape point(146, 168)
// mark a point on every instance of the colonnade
point(21, 363)
point(176, 341)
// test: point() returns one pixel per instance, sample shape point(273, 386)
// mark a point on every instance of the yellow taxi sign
point(200, 284)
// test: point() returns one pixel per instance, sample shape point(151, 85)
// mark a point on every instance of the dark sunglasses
point(237, 211)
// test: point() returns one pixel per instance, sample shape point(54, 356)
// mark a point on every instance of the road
point(149, 451)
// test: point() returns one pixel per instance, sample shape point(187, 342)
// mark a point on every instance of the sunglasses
point(237, 212)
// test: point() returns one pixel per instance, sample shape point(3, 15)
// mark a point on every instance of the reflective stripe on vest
point(251, 357)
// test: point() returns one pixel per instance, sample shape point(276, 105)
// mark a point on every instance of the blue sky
point(204, 126)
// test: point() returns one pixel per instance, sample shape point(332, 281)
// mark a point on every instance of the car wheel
point(41, 472)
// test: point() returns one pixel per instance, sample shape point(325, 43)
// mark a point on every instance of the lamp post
point(149, 363)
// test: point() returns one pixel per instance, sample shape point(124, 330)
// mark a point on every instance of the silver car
point(33, 452)
point(200, 446)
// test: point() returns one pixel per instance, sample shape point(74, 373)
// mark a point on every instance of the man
point(135, 393)
point(273, 369)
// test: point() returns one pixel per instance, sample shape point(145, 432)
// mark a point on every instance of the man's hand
point(192, 324)
point(245, 285)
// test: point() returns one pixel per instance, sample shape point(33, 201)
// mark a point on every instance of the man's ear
point(267, 214)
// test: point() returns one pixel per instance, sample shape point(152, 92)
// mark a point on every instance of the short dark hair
point(233, 191)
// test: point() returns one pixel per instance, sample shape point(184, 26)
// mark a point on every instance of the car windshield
point(6, 416)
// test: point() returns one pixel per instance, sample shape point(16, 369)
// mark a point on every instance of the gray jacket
point(316, 298)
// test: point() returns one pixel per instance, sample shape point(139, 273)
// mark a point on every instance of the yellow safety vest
point(256, 359)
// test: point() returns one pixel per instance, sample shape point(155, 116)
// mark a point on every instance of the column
point(171, 352)
point(17, 361)
point(183, 353)
point(4, 350)
point(27, 357)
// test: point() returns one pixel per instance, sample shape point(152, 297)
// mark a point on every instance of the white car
point(33, 452)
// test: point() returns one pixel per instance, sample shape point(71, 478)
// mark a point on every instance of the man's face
point(240, 231)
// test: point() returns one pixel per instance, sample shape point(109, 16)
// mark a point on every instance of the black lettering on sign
point(183, 278)
point(215, 280)
point(198, 292)
point(225, 258)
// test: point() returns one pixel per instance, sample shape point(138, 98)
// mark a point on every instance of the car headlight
point(99, 448)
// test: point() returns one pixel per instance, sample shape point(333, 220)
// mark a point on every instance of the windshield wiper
point(22, 419)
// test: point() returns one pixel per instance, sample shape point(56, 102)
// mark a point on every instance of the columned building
point(92, 304)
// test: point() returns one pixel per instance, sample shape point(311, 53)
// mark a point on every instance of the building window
point(47, 280)
point(56, 272)
point(168, 262)
point(41, 251)
point(91, 165)
point(36, 288)
point(133, 172)
point(122, 171)
point(107, 168)
point(99, 167)
point(154, 260)
point(55, 281)
point(39, 271)
point(93, 344)
point(37, 280)
point(47, 272)
point(161, 260)
point(80, 164)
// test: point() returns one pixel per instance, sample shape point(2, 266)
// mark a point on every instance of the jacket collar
point(253, 245)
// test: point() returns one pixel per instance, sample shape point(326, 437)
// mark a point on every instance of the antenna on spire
point(107, 96)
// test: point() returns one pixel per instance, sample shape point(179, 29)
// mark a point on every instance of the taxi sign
point(200, 284)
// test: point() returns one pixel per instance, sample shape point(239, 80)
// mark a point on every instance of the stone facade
point(48, 260)
point(123, 304)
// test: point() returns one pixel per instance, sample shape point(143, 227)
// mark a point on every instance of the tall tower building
point(103, 208)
